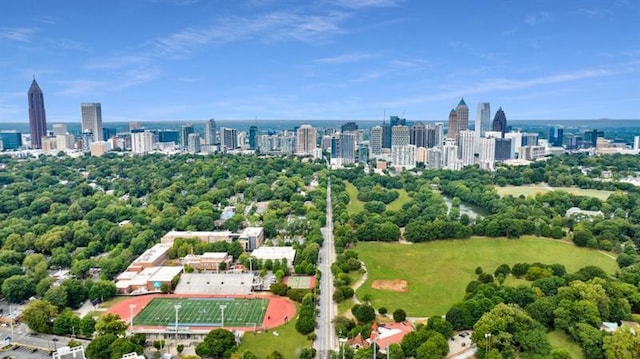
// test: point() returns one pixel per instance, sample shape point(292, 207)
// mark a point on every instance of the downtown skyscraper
point(482, 124)
point(92, 119)
point(37, 115)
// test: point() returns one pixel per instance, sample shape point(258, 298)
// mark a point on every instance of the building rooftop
point(152, 254)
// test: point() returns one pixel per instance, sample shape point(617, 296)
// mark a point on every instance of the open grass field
point(532, 190)
point(288, 341)
point(203, 312)
point(559, 340)
point(402, 199)
point(438, 272)
point(355, 205)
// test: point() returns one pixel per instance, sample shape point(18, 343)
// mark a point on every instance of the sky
point(191, 60)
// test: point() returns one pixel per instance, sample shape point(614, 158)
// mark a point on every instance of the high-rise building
point(59, 129)
point(92, 119)
point(439, 134)
point(185, 131)
point(487, 154)
point(253, 134)
point(530, 138)
point(134, 125)
point(375, 143)
point(483, 122)
point(37, 115)
point(500, 122)
point(11, 140)
point(228, 139)
point(435, 158)
point(193, 142)
point(306, 140)
point(431, 135)
point(343, 149)
point(210, 132)
point(450, 155)
point(466, 147)
point(397, 121)
point(108, 132)
point(462, 112)
point(418, 134)
point(363, 153)
point(452, 131)
point(399, 135)
point(403, 156)
point(142, 142)
point(386, 135)
point(503, 149)
point(349, 126)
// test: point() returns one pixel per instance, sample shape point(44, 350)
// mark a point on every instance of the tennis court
point(300, 282)
point(205, 312)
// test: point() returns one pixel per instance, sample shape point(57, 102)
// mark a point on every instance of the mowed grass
point(355, 205)
point(288, 341)
point(203, 311)
point(559, 340)
point(438, 272)
point(532, 190)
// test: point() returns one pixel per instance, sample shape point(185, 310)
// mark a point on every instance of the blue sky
point(190, 60)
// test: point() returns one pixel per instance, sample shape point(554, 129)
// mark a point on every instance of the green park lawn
point(438, 272)
point(532, 190)
point(356, 206)
point(288, 341)
point(559, 340)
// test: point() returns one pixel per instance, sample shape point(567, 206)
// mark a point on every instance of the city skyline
point(329, 60)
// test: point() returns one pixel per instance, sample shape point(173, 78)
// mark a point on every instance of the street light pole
point(177, 308)
point(131, 307)
point(222, 308)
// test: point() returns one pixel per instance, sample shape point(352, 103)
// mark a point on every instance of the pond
point(470, 210)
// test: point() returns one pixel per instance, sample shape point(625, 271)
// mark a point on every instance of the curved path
point(279, 311)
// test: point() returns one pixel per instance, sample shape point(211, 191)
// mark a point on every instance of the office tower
point(64, 141)
point(134, 125)
point(194, 143)
point(59, 129)
point(439, 133)
point(418, 135)
point(165, 136)
point(422, 155)
point(452, 132)
point(285, 143)
point(403, 156)
point(363, 153)
point(185, 131)
point(591, 137)
point(502, 149)
point(430, 136)
point(11, 140)
point(253, 134)
point(487, 154)
point(306, 139)
point(500, 122)
point(37, 115)
point(483, 122)
point(434, 158)
point(462, 112)
point(228, 139)
point(397, 121)
point(450, 155)
point(108, 132)
point(399, 136)
point(210, 132)
point(556, 134)
point(325, 142)
point(466, 147)
point(636, 142)
point(386, 135)
point(530, 139)
point(141, 142)
point(343, 149)
point(516, 141)
point(376, 140)
point(92, 119)
point(349, 126)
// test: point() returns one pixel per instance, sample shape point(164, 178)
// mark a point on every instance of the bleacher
point(215, 283)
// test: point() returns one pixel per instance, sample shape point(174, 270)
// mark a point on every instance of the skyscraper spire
point(37, 114)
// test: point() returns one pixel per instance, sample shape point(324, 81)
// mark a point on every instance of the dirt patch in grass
point(395, 285)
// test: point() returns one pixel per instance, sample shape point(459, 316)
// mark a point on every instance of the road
point(326, 338)
point(44, 342)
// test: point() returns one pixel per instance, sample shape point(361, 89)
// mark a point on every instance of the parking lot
point(18, 352)
point(461, 341)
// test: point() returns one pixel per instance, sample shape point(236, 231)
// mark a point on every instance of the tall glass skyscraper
point(92, 119)
point(500, 122)
point(482, 124)
point(37, 115)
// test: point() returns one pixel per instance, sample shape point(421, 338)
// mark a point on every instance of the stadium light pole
point(487, 337)
point(177, 308)
point(222, 308)
point(131, 308)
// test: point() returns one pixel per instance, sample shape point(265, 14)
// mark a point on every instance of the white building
point(403, 156)
point(487, 155)
point(467, 147)
point(92, 119)
point(141, 142)
point(306, 139)
point(450, 155)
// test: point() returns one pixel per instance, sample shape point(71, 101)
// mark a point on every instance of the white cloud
point(361, 4)
point(20, 34)
point(594, 12)
point(347, 58)
point(538, 18)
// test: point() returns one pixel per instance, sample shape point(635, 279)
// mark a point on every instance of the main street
point(326, 338)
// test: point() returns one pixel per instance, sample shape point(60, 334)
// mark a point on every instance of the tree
point(363, 313)
point(624, 343)
point(219, 343)
point(110, 324)
point(76, 292)
point(435, 347)
point(399, 315)
point(38, 315)
point(103, 290)
point(17, 288)
point(122, 346)
point(56, 296)
point(87, 326)
point(100, 347)
point(441, 326)
point(66, 323)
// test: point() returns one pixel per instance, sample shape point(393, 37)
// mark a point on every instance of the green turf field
point(203, 312)
point(532, 190)
point(438, 272)
point(355, 205)
point(299, 282)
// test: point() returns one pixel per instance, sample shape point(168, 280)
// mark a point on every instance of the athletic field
point(204, 312)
